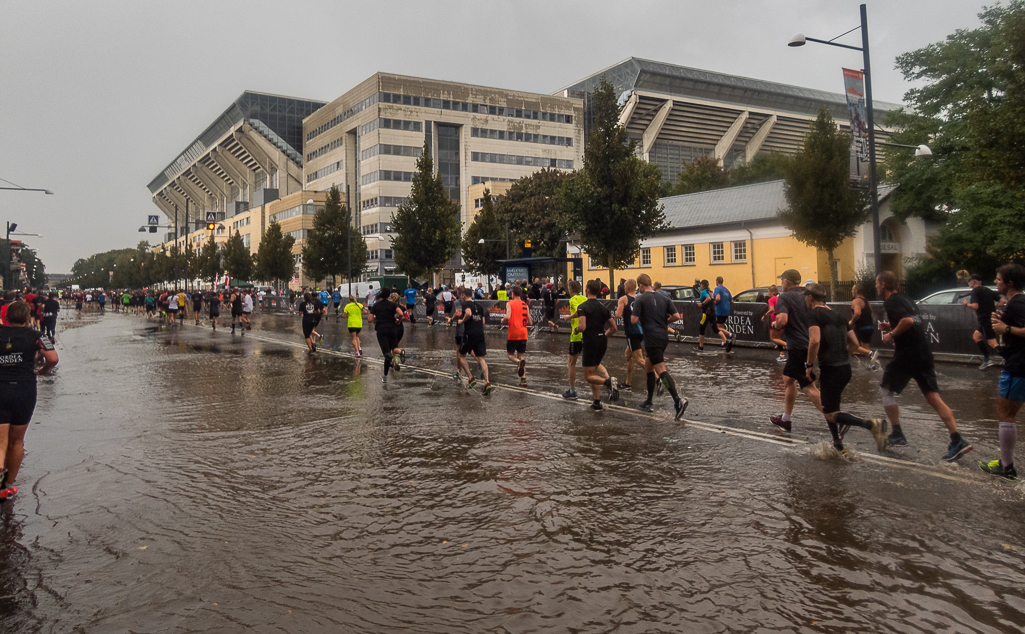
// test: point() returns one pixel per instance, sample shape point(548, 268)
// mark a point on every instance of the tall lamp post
point(11, 226)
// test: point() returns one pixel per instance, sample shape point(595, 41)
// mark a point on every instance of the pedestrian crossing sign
point(211, 216)
point(153, 220)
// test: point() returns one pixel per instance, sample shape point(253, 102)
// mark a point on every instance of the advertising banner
point(854, 88)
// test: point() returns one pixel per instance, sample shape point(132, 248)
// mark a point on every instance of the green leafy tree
point(238, 262)
point(483, 258)
point(533, 211)
point(326, 253)
point(35, 270)
point(612, 203)
point(210, 262)
point(824, 209)
point(761, 169)
point(427, 226)
point(274, 259)
point(700, 175)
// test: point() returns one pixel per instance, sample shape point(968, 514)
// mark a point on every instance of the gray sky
point(97, 97)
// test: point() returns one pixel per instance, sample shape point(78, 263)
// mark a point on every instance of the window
point(292, 212)
point(525, 137)
point(688, 254)
point(740, 251)
point(670, 255)
point(324, 171)
point(646, 256)
point(515, 159)
point(390, 150)
point(718, 252)
point(387, 175)
point(834, 270)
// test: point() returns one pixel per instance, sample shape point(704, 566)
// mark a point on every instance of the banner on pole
point(854, 88)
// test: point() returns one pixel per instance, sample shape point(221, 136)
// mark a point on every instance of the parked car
point(680, 293)
point(949, 296)
point(758, 295)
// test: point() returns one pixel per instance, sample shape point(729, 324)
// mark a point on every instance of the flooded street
point(194, 481)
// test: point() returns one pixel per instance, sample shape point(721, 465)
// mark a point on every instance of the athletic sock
point(834, 431)
point(897, 431)
point(984, 347)
point(652, 379)
point(955, 438)
point(843, 418)
point(786, 418)
point(670, 385)
point(1008, 436)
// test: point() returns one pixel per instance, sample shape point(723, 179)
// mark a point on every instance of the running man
point(430, 302)
point(446, 301)
point(830, 340)
point(181, 299)
point(576, 338)
point(354, 316)
point(213, 305)
point(336, 299)
point(723, 307)
point(653, 311)
point(151, 305)
point(50, 309)
point(197, 305)
point(707, 314)
point(247, 310)
point(1011, 391)
point(310, 308)
point(411, 304)
point(775, 336)
point(912, 359)
point(236, 310)
point(634, 333)
point(472, 320)
point(861, 322)
point(983, 301)
point(386, 316)
point(517, 316)
point(597, 324)
point(791, 318)
point(172, 308)
point(548, 299)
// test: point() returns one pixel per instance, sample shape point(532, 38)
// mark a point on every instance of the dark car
point(758, 295)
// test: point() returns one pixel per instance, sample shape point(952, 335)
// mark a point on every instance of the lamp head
point(12, 226)
point(48, 192)
point(142, 229)
point(309, 202)
point(923, 150)
point(481, 241)
point(797, 40)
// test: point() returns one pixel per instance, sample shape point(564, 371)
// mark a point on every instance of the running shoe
point(455, 375)
point(488, 389)
point(471, 383)
point(321, 337)
point(659, 387)
point(681, 407)
point(996, 468)
point(523, 381)
point(359, 353)
point(679, 335)
point(395, 364)
point(613, 390)
point(3, 479)
point(956, 450)
point(8, 493)
point(521, 368)
point(897, 440)
point(729, 342)
point(646, 407)
point(384, 378)
point(842, 431)
point(597, 406)
point(873, 357)
point(879, 433)
point(625, 386)
point(781, 359)
point(570, 395)
point(988, 363)
point(402, 355)
point(779, 422)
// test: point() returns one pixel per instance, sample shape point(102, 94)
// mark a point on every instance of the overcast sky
point(98, 97)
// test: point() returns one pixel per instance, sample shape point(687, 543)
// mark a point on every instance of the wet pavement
point(198, 482)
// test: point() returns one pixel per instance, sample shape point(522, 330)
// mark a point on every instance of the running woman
point(472, 319)
point(912, 359)
point(653, 312)
point(386, 316)
point(310, 308)
point(597, 325)
point(457, 308)
point(634, 332)
point(50, 309)
point(213, 304)
point(707, 314)
point(197, 305)
point(446, 300)
point(548, 299)
point(576, 338)
point(830, 339)
point(151, 305)
point(182, 300)
point(247, 310)
point(983, 301)
point(172, 308)
point(791, 318)
point(20, 347)
point(1011, 390)
point(517, 316)
point(430, 300)
point(723, 307)
point(775, 336)
point(236, 310)
point(861, 321)
point(354, 320)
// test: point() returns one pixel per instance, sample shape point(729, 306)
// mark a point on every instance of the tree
point(532, 210)
point(968, 107)
point(483, 258)
point(274, 259)
point(824, 209)
point(238, 262)
point(35, 270)
point(762, 168)
point(209, 263)
point(427, 226)
point(612, 203)
point(326, 252)
point(702, 174)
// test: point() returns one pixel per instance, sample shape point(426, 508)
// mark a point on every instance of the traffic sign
point(153, 220)
point(211, 216)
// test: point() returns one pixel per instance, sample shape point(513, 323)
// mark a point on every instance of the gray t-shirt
point(457, 311)
point(652, 311)
point(791, 304)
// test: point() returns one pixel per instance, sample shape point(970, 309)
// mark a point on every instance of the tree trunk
point(612, 278)
point(832, 278)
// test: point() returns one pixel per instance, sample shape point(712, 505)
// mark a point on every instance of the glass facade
point(514, 159)
point(448, 159)
point(525, 137)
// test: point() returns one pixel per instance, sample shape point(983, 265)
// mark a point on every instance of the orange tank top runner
point(518, 321)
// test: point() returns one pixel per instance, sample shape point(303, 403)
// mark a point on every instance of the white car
point(949, 296)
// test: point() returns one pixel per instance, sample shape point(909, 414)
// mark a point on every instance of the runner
point(371, 296)
point(517, 316)
point(18, 389)
point(400, 329)
point(829, 339)
point(723, 307)
point(354, 316)
point(410, 295)
point(235, 299)
point(213, 304)
point(472, 318)
point(912, 359)
point(78, 303)
point(446, 301)
point(50, 309)
point(172, 308)
point(336, 298)
point(983, 302)
point(707, 314)
point(430, 299)
point(634, 333)
point(775, 336)
point(597, 325)
point(653, 312)
point(197, 305)
point(182, 301)
point(548, 299)
point(102, 301)
point(126, 300)
point(310, 308)
point(1011, 391)
point(247, 310)
point(791, 318)
point(457, 309)
point(861, 322)
point(386, 316)
point(576, 338)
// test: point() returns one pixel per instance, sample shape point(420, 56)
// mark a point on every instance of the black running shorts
point(459, 340)
point(795, 367)
point(514, 346)
point(308, 328)
point(236, 313)
point(430, 311)
point(864, 335)
point(214, 312)
point(355, 330)
point(899, 372)
point(473, 344)
point(575, 348)
point(720, 320)
point(832, 380)
point(448, 308)
point(636, 341)
point(17, 402)
point(550, 313)
point(656, 354)
point(986, 327)
point(706, 323)
point(594, 352)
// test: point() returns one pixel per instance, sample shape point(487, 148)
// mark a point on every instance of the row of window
point(324, 149)
point(244, 222)
point(298, 234)
point(387, 175)
point(717, 254)
point(358, 108)
point(525, 137)
point(478, 108)
point(514, 159)
point(477, 180)
point(381, 201)
point(479, 202)
point(391, 124)
point(324, 171)
point(292, 212)
point(246, 240)
point(389, 150)
point(377, 227)
point(379, 254)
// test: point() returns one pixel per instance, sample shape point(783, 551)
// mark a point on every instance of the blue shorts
point(1012, 387)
